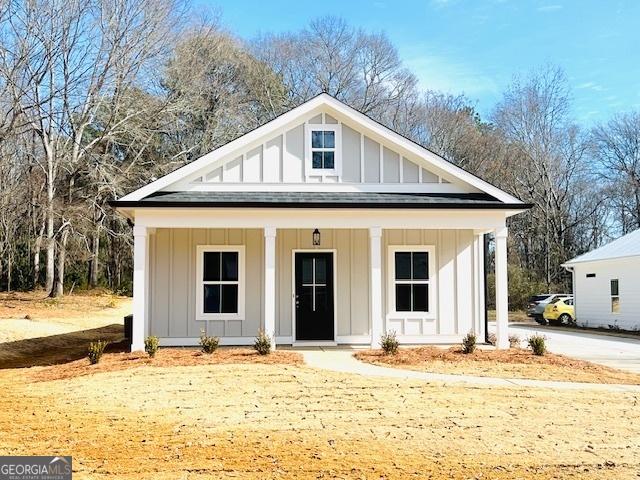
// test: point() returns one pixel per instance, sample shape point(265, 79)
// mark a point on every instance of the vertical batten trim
point(381, 163)
point(361, 158)
point(283, 151)
point(401, 166)
point(419, 174)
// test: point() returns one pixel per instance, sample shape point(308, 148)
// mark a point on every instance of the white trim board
point(343, 114)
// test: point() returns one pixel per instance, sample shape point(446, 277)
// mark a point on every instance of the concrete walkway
point(621, 352)
point(342, 360)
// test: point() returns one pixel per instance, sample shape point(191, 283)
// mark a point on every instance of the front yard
point(512, 363)
point(186, 415)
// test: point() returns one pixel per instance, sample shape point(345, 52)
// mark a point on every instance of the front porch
point(369, 296)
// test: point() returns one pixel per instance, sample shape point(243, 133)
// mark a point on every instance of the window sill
point(205, 318)
point(417, 315)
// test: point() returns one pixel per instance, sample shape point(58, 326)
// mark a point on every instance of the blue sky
point(475, 47)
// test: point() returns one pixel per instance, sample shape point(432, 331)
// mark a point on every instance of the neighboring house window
point(411, 279)
point(220, 275)
point(615, 296)
point(323, 149)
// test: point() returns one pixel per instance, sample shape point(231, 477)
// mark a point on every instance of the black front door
point(314, 296)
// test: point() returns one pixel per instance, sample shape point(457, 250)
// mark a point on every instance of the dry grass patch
point(513, 363)
point(283, 421)
point(165, 357)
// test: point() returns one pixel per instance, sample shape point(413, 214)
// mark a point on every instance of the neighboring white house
point(606, 284)
point(319, 227)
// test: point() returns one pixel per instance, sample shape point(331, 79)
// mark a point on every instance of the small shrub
point(151, 345)
point(514, 341)
point(389, 343)
point(208, 344)
point(262, 345)
point(492, 339)
point(96, 349)
point(469, 343)
point(537, 344)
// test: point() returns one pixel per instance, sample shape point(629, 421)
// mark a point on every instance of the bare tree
point(616, 146)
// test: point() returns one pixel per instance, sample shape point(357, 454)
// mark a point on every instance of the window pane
point(328, 160)
point(614, 287)
point(321, 270)
point(230, 266)
point(316, 160)
point(403, 298)
point(212, 299)
point(211, 266)
point(307, 270)
point(229, 299)
point(615, 304)
point(316, 139)
point(420, 297)
point(329, 140)
point(420, 266)
point(403, 265)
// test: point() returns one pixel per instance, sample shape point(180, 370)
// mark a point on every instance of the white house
point(319, 227)
point(606, 284)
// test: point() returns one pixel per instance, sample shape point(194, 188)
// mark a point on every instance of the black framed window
point(323, 149)
point(220, 282)
point(411, 281)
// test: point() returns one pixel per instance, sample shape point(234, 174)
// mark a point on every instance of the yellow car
point(560, 311)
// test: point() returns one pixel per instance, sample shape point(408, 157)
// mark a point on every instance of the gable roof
point(287, 118)
point(319, 200)
point(626, 246)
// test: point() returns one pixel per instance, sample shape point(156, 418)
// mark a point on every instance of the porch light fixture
point(316, 238)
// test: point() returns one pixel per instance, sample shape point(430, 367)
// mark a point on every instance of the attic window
point(323, 149)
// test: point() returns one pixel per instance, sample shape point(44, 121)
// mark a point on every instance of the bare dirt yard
point(236, 415)
point(37, 330)
point(284, 421)
point(512, 363)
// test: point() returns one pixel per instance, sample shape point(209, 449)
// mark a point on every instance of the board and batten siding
point(593, 294)
point(173, 282)
point(459, 280)
point(280, 159)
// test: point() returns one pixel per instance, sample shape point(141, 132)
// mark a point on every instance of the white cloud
point(549, 8)
point(439, 73)
point(596, 87)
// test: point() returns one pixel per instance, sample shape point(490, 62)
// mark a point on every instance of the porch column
point(140, 287)
point(270, 284)
point(502, 291)
point(375, 236)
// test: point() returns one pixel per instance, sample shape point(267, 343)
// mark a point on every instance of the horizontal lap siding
point(593, 295)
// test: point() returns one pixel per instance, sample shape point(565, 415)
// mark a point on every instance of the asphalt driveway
point(605, 349)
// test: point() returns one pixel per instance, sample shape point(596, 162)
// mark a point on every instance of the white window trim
point(337, 157)
point(612, 296)
point(200, 314)
point(391, 281)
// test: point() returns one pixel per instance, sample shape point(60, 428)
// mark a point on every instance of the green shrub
point(262, 345)
point(469, 343)
point(151, 345)
point(389, 343)
point(208, 344)
point(96, 349)
point(514, 341)
point(537, 344)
